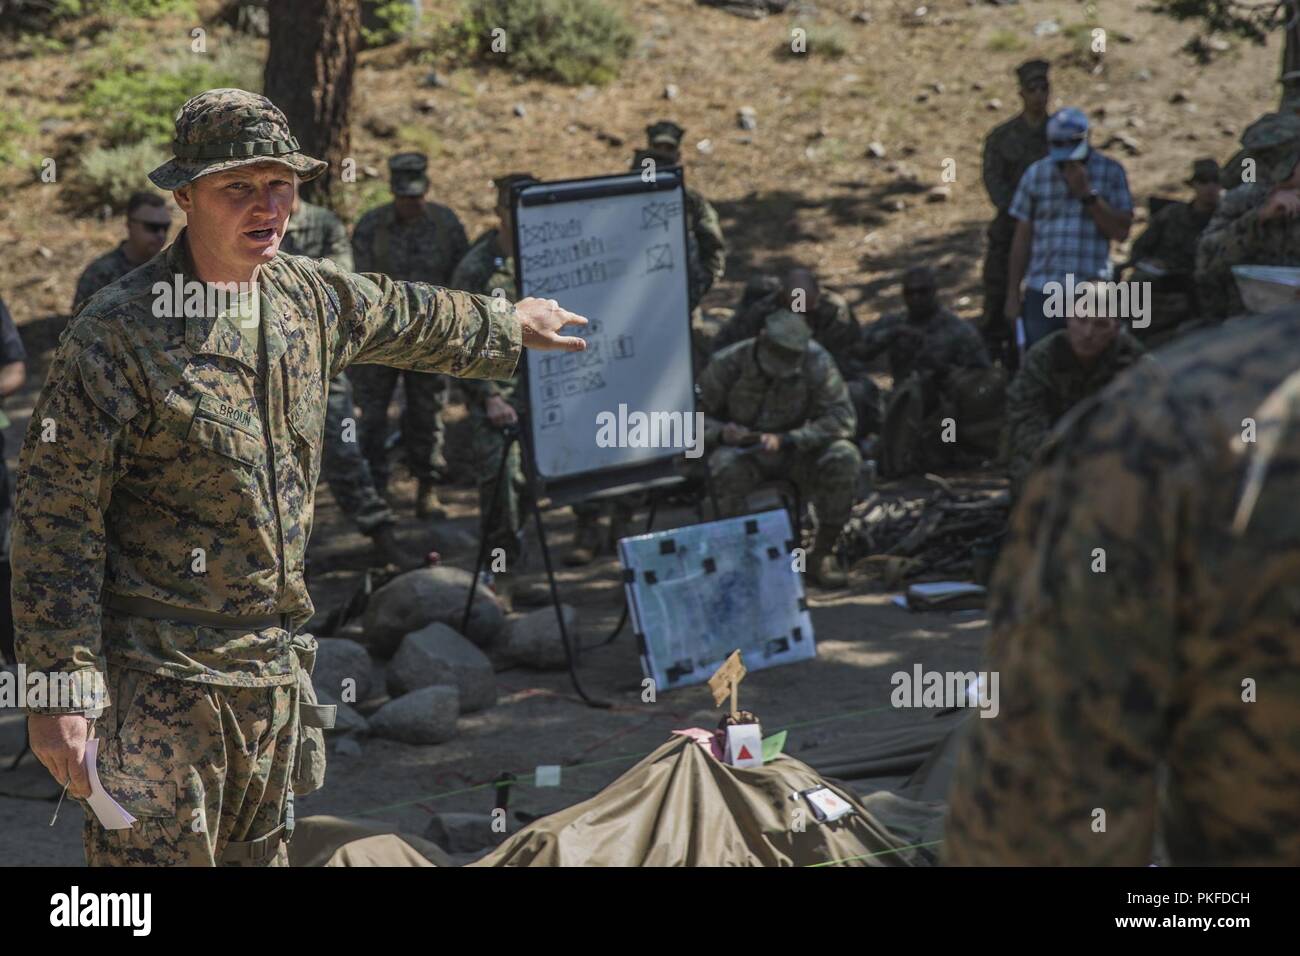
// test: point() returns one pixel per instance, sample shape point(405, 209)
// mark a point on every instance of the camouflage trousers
point(423, 431)
point(205, 770)
point(500, 527)
point(344, 468)
point(827, 476)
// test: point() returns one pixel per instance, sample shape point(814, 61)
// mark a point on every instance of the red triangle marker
point(744, 753)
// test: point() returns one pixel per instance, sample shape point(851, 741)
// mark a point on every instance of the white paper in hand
point(111, 815)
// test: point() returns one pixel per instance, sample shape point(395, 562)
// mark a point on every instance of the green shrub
point(1006, 41)
point(820, 42)
point(137, 102)
point(572, 41)
point(392, 20)
point(13, 130)
point(109, 176)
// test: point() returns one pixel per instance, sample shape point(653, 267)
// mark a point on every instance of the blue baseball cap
point(1067, 135)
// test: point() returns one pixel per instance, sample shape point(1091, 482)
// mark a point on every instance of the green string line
point(528, 778)
point(863, 856)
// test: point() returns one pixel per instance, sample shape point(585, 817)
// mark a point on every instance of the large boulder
point(438, 655)
point(533, 639)
point(412, 600)
point(337, 660)
point(425, 716)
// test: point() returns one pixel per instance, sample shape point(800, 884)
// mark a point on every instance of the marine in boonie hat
point(225, 128)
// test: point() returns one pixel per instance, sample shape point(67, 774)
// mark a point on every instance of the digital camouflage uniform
point(1050, 382)
point(808, 406)
point(425, 250)
point(926, 361)
point(1122, 690)
point(104, 271)
point(486, 269)
point(317, 233)
point(1009, 150)
point(164, 504)
point(1235, 236)
point(835, 328)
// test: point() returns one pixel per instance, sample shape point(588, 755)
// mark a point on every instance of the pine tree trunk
point(309, 66)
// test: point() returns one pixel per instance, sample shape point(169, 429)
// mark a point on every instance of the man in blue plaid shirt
point(1068, 208)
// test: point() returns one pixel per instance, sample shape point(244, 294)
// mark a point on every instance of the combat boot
point(427, 504)
point(823, 566)
point(586, 540)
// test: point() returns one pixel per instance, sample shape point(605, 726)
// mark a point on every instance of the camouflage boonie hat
point(789, 333)
point(665, 133)
point(226, 128)
point(1273, 141)
point(406, 174)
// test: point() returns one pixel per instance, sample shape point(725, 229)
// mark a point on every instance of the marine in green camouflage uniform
point(1053, 379)
point(1257, 223)
point(1162, 691)
point(147, 223)
point(929, 349)
point(489, 269)
point(833, 326)
point(1009, 150)
point(317, 233)
point(164, 504)
point(1165, 255)
point(786, 388)
point(423, 248)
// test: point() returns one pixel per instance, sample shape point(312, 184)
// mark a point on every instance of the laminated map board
point(700, 592)
point(612, 249)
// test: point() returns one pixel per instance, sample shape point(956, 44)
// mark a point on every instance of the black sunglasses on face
point(154, 226)
point(1074, 141)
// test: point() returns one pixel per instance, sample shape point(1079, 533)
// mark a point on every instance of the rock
point(1218, 44)
point(534, 639)
point(939, 194)
point(424, 716)
point(892, 205)
point(670, 91)
point(747, 118)
point(705, 146)
point(438, 655)
point(1136, 122)
point(862, 16)
point(371, 172)
point(347, 747)
point(937, 87)
point(994, 104)
point(1144, 75)
point(977, 86)
point(1046, 28)
point(347, 719)
point(1129, 144)
point(384, 129)
point(427, 105)
point(467, 832)
point(922, 97)
point(876, 150)
point(1179, 96)
point(412, 600)
point(434, 79)
point(337, 660)
point(519, 110)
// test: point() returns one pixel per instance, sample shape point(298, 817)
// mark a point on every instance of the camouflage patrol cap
point(1273, 141)
point(1032, 70)
point(1204, 170)
point(226, 128)
point(406, 174)
point(665, 133)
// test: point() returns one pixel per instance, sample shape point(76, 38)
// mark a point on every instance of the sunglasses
point(160, 227)
point(1062, 143)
